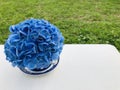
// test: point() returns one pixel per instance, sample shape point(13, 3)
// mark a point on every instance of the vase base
point(40, 71)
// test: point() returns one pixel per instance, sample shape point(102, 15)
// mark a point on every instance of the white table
point(81, 67)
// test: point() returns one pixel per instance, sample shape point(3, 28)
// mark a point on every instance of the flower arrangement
point(33, 44)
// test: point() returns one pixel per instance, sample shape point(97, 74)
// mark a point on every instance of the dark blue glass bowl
point(53, 64)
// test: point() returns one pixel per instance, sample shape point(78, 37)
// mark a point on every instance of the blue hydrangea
point(33, 43)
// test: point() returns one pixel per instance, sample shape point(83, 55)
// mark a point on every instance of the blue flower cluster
point(33, 43)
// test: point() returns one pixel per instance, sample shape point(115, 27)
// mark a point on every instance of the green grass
point(80, 21)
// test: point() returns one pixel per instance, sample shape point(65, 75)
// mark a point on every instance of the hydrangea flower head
point(33, 43)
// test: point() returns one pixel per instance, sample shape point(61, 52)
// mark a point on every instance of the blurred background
point(80, 21)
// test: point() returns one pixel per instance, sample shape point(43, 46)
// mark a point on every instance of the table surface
point(81, 67)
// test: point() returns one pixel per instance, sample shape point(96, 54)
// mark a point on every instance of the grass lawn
point(81, 21)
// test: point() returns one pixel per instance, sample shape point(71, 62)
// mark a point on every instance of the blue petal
point(55, 56)
point(34, 35)
point(31, 65)
point(12, 28)
point(10, 55)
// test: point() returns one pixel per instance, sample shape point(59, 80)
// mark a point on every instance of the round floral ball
point(34, 44)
